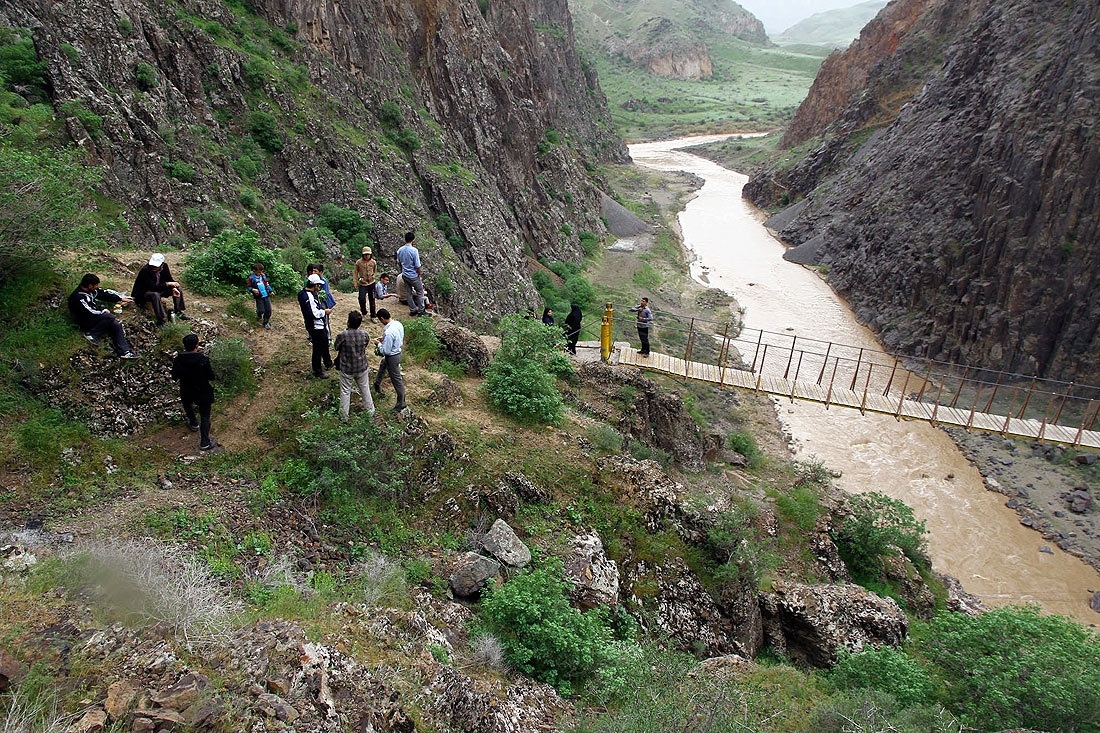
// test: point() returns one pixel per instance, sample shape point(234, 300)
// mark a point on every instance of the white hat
point(315, 279)
point(156, 260)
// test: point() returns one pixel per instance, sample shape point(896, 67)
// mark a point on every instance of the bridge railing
point(833, 366)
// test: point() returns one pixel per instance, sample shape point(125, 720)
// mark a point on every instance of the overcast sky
point(779, 15)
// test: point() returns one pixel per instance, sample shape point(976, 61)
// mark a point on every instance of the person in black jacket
point(154, 281)
point(316, 316)
point(192, 369)
point(573, 327)
point(96, 321)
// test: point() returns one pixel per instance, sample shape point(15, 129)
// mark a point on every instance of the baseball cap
point(367, 251)
point(315, 279)
point(156, 260)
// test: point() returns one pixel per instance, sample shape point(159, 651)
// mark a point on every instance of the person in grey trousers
point(408, 257)
point(351, 360)
point(390, 345)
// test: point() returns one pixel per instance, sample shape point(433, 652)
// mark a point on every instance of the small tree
point(520, 380)
point(223, 264)
point(878, 524)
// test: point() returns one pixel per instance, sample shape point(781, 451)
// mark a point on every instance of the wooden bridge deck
point(897, 405)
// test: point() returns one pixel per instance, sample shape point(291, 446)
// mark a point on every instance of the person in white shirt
point(390, 345)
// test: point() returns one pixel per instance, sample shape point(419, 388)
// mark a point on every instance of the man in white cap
point(366, 270)
point(154, 281)
point(316, 320)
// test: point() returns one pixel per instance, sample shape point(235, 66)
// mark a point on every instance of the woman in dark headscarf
point(548, 316)
point(573, 327)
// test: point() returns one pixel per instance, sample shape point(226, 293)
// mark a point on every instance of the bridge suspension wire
point(799, 367)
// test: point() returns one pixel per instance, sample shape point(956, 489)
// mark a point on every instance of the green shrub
point(520, 380)
point(1016, 668)
point(543, 636)
point(125, 26)
point(249, 162)
point(733, 542)
point(875, 526)
point(606, 439)
point(888, 670)
point(232, 364)
point(265, 131)
point(421, 343)
point(180, 170)
point(447, 226)
point(347, 225)
point(222, 265)
point(92, 123)
point(249, 198)
point(745, 444)
point(216, 220)
point(443, 286)
point(20, 67)
point(800, 506)
point(590, 243)
point(145, 76)
point(356, 457)
point(41, 205)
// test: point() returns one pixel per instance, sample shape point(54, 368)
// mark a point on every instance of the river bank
point(972, 534)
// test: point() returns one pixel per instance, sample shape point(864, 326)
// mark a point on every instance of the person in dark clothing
point(316, 320)
point(154, 281)
point(95, 321)
point(573, 327)
point(548, 316)
point(191, 368)
point(645, 320)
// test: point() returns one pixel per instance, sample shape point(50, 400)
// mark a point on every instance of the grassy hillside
point(753, 89)
point(833, 28)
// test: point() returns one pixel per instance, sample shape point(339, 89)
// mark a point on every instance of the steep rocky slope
point(966, 229)
point(406, 112)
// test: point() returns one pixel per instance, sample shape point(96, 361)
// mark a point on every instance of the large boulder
point(454, 701)
point(463, 346)
point(813, 623)
point(502, 543)
point(594, 576)
point(472, 573)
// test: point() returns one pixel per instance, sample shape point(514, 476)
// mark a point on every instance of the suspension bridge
point(837, 375)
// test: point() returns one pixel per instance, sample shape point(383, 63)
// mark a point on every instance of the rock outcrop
point(967, 229)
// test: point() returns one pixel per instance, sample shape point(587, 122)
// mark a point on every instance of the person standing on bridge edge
point(572, 328)
point(645, 318)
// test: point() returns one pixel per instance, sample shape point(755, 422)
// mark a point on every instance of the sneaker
point(128, 355)
point(398, 408)
point(267, 326)
point(92, 339)
point(182, 317)
point(207, 446)
point(193, 428)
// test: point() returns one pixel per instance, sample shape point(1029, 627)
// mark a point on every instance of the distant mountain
point(836, 28)
point(670, 38)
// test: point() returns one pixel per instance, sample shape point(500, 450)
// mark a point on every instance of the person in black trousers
point(192, 369)
point(316, 319)
point(573, 327)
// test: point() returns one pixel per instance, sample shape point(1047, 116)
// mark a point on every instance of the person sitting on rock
point(94, 320)
point(154, 281)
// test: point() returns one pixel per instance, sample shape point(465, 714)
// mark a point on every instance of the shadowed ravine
point(972, 535)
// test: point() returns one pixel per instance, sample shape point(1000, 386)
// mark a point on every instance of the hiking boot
point(398, 408)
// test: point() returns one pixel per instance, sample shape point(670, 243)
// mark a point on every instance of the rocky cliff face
point(967, 228)
point(404, 111)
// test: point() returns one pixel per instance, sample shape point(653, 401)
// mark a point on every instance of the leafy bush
point(92, 123)
point(444, 288)
point(543, 636)
point(41, 197)
point(447, 226)
point(349, 228)
point(354, 457)
point(520, 380)
point(888, 670)
point(216, 220)
point(249, 198)
point(589, 242)
point(1015, 668)
point(232, 364)
point(733, 542)
point(180, 170)
point(145, 76)
point(421, 343)
point(875, 526)
point(606, 439)
point(222, 265)
point(745, 444)
point(265, 131)
point(249, 162)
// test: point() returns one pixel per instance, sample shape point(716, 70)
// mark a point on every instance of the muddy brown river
point(972, 535)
